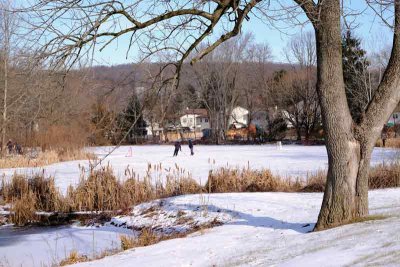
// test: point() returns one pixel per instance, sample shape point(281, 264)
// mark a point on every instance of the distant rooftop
point(196, 111)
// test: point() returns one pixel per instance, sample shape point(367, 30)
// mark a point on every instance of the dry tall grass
point(23, 210)
point(146, 237)
point(226, 180)
point(101, 190)
point(243, 180)
point(384, 176)
point(27, 196)
point(390, 142)
point(45, 158)
point(73, 258)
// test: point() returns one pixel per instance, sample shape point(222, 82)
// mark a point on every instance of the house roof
point(201, 112)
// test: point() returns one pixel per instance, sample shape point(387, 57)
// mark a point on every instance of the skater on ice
point(191, 147)
point(177, 148)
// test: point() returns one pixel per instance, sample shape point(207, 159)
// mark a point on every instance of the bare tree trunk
point(4, 129)
point(307, 134)
point(346, 191)
point(4, 126)
point(298, 131)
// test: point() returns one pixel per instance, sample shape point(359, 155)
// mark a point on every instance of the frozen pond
point(47, 246)
point(291, 160)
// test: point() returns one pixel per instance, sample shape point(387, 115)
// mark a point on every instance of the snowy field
point(260, 229)
point(272, 229)
point(292, 160)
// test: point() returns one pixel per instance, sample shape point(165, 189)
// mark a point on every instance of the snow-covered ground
point(263, 229)
point(272, 229)
point(292, 160)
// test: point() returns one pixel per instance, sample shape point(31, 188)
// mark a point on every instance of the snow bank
point(272, 229)
point(171, 216)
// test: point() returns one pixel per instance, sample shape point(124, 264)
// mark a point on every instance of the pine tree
point(131, 122)
point(355, 66)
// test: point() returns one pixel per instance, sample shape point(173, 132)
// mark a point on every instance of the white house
point(153, 130)
point(239, 117)
point(195, 119)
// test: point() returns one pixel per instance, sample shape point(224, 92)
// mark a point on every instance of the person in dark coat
point(18, 148)
point(384, 136)
point(177, 148)
point(191, 147)
point(10, 146)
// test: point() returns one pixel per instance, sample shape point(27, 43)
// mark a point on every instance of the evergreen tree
point(355, 66)
point(131, 122)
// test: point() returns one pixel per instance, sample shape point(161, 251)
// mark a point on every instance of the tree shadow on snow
point(241, 218)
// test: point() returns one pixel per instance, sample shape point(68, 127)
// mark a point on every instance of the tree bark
point(345, 196)
point(298, 131)
point(5, 93)
point(4, 129)
point(349, 145)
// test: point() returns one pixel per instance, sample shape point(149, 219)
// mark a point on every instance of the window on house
point(205, 120)
point(184, 120)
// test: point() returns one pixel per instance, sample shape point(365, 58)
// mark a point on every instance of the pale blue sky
point(370, 29)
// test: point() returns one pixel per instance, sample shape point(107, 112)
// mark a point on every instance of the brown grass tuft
point(100, 191)
point(390, 142)
point(245, 180)
point(315, 182)
point(27, 196)
point(23, 210)
point(127, 242)
point(384, 176)
point(73, 258)
point(146, 237)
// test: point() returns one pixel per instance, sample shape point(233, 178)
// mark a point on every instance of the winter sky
point(369, 27)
